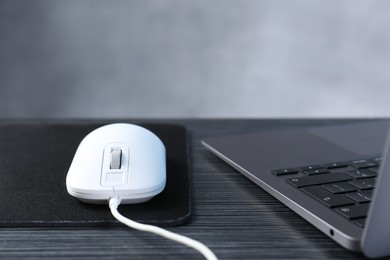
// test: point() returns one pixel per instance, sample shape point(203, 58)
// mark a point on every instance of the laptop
point(336, 177)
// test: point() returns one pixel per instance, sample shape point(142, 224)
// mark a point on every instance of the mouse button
point(84, 171)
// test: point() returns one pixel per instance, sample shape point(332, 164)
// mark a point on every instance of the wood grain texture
point(231, 215)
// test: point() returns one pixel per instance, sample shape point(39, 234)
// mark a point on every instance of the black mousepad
point(34, 162)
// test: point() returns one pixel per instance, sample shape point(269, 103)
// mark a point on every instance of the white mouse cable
point(201, 248)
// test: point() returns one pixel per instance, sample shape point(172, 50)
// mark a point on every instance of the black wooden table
point(231, 215)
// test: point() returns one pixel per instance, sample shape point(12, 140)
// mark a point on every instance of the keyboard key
point(285, 171)
point(311, 167)
point(364, 164)
point(375, 169)
point(315, 172)
point(318, 179)
point(327, 198)
point(361, 196)
point(363, 184)
point(336, 165)
point(361, 173)
point(339, 187)
point(360, 222)
point(354, 211)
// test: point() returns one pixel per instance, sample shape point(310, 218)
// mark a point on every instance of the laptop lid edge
point(376, 234)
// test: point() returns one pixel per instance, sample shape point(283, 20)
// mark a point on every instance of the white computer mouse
point(122, 160)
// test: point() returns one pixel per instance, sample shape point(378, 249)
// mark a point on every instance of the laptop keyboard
point(344, 187)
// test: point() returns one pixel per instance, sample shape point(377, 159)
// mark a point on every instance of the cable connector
point(114, 202)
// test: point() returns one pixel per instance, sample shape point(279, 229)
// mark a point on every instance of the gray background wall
point(203, 58)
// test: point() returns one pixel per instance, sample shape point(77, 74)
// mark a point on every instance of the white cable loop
point(201, 248)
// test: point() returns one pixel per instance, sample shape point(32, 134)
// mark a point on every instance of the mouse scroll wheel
point(116, 159)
